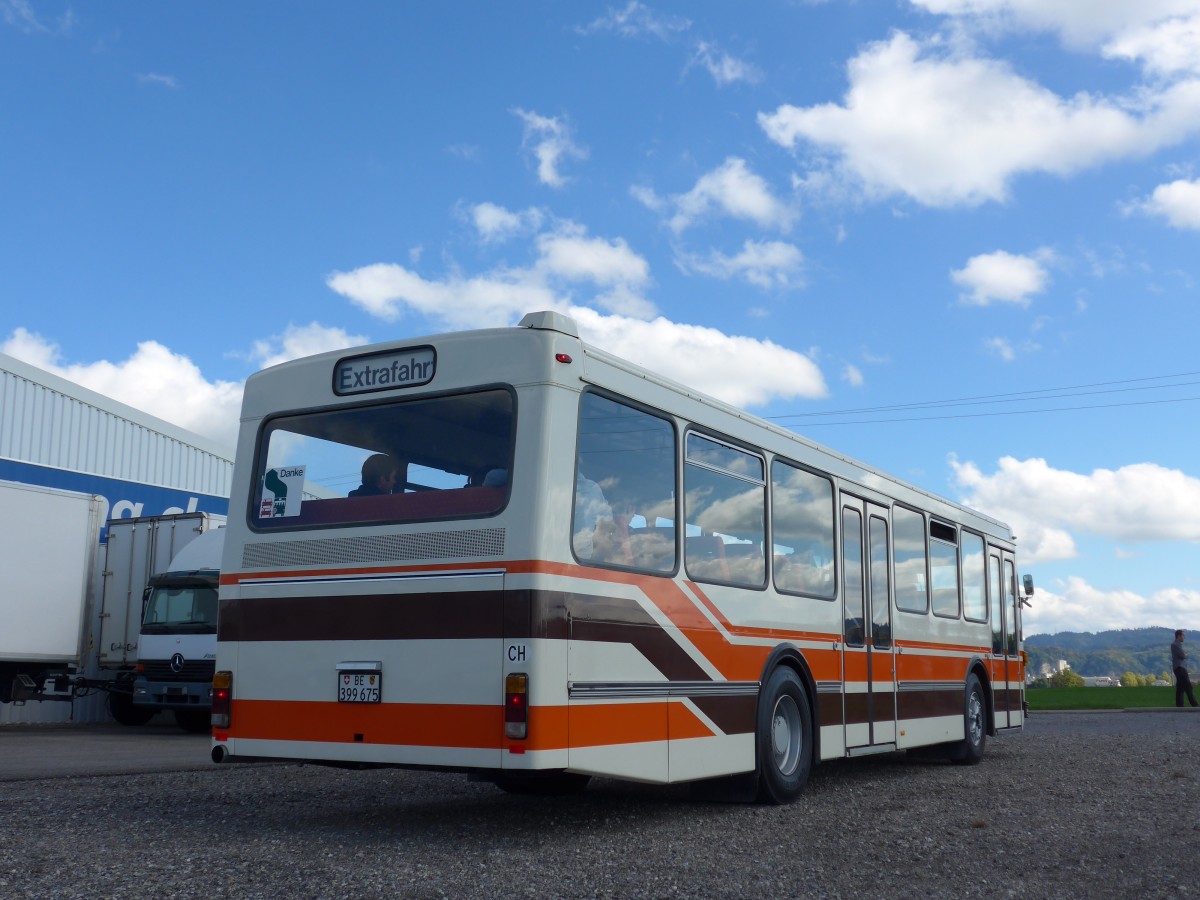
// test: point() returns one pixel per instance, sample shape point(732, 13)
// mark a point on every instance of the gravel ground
point(1096, 805)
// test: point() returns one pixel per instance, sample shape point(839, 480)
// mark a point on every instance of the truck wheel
point(194, 721)
point(125, 711)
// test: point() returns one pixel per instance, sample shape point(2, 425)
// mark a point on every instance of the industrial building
point(57, 434)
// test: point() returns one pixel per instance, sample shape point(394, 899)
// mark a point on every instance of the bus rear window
point(417, 460)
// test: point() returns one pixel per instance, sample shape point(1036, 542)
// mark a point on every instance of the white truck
point(177, 648)
point(73, 608)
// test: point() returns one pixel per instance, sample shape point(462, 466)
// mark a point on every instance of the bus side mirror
point(1027, 583)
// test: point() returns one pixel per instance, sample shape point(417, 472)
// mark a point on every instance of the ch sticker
point(516, 653)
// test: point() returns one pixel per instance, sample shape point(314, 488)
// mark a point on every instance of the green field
point(1099, 697)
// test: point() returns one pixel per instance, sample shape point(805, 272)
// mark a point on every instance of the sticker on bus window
point(282, 492)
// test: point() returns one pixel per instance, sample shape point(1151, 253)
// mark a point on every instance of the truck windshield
point(410, 461)
point(182, 605)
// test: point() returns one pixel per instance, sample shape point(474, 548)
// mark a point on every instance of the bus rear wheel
point(784, 732)
point(970, 751)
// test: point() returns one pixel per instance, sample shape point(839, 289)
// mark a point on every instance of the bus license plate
point(359, 687)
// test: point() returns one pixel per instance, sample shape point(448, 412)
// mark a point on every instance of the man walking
point(1183, 684)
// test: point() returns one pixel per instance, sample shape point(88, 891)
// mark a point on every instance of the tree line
point(1144, 652)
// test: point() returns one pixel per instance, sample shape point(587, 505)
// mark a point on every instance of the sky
point(956, 239)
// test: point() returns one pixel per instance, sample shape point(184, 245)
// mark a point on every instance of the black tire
point(785, 738)
point(194, 721)
point(126, 712)
point(974, 742)
point(550, 784)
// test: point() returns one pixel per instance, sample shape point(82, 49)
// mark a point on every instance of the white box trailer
point(48, 544)
point(71, 611)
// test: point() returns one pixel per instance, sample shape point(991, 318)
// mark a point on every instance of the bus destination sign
point(410, 367)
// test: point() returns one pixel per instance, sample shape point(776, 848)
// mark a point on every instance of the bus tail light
point(516, 706)
point(222, 698)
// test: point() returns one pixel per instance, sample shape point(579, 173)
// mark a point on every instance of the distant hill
point(1143, 651)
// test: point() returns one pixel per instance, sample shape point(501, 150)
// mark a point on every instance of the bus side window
point(624, 485)
point(908, 551)
point(943, 567)
point(802, 531)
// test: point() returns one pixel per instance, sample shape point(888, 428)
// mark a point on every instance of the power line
point(1011, 412)
point(1079, 390)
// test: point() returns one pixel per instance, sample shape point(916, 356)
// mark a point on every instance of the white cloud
point(552, 144)
point(1177, 202)
point(853, 375)
point(723, 68)
point(154, 379)
point(1166, 48)
point(1163, 34)
point(567, 258)
point(1063, 605)
point(1001, 348)
point(388, 291)
point(766, 264)
point(1000, 277)
point(571, 255)
point(496, 224)
point(731, 189)
point(740, 370)
point(1134, 504)
point(946, 129)
point(158, 381)
point(303, 340)
point(648, 198)
point(168, 81)
point(636, 20)
point(20, 15)
point(467, 152)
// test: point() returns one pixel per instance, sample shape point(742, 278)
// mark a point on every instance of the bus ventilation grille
point(473, 543)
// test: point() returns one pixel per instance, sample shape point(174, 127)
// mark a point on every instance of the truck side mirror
point(1027, 583)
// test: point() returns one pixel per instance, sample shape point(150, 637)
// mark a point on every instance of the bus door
point(1007, 677)
point(868, 661)
point(1012, 650)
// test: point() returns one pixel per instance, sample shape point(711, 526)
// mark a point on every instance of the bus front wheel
point(784, 737)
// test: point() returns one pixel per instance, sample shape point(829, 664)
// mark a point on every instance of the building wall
point(58, 434)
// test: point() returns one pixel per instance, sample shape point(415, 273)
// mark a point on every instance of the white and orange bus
point(576, 567)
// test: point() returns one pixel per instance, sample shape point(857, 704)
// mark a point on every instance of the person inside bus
point(380, 473)
point(495, 478)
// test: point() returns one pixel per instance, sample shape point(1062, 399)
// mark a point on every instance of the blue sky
point(956, 239)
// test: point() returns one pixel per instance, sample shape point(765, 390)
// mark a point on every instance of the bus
point(577, 567)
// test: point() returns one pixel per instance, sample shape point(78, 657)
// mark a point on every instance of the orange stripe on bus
point(602, 724)
point(414, 724)
point(474, 727)
point(683, 723)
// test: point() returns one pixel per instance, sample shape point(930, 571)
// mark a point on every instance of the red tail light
point(516, 706)
point(222, 699)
